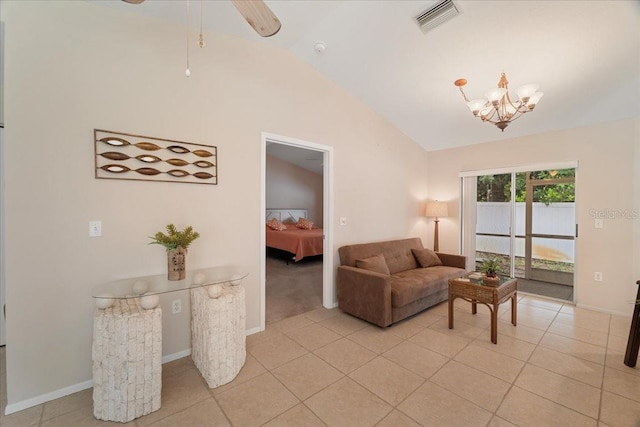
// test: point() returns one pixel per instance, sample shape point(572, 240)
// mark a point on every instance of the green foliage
point(497, 188)
point(494, 188)
point(490, 267)
point(174, 238)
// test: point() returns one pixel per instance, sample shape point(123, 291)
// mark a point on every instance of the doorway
point(294, 155)
point(526, 220)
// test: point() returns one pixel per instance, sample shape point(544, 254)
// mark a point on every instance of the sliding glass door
point(493, 223)
point(526, 220)
point(550, 226)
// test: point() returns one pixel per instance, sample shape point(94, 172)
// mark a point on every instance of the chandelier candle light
point(497, 107)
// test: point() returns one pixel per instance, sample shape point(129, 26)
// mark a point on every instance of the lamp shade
point(535, 98)
point(476, 105)
point(495, 94)
point(525, 92)
point(436, 209)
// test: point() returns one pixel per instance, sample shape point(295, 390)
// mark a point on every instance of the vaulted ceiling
point(585, 55)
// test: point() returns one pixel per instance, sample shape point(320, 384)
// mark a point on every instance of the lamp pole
point(435, 236)
point(436, 209)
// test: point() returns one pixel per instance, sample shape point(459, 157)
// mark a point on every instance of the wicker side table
point(475, 291)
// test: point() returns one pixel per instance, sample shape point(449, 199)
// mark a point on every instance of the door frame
point(3, 292)
point(328, 283)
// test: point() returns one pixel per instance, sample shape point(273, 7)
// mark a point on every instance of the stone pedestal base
point(218, 333)
point(127, 361)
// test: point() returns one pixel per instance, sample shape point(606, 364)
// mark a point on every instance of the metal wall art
point(143, 158)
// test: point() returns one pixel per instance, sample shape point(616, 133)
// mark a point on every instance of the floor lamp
point(436, 209)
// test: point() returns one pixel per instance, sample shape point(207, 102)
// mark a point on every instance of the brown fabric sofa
point(365, 290)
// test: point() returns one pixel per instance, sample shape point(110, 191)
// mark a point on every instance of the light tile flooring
point(561, 366)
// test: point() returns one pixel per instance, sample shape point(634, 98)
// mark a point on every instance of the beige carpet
point(293, 288)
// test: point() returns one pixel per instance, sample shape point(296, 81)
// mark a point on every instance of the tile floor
point(561, 366)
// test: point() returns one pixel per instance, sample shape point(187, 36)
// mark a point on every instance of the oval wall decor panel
point(122, 156)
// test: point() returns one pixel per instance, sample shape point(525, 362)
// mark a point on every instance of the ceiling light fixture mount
point(498, 108)
point(320, 47)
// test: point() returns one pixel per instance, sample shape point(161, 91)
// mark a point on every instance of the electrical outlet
point(176, 306)
point(597, 276)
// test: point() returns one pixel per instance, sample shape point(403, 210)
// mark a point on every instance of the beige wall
point(606, 178)
point(75, 66)
point(290, 186)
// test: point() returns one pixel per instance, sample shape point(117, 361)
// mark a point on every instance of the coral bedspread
point(299, 242)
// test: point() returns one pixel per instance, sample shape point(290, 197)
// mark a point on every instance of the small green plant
point(174, 238)
point(490, 267)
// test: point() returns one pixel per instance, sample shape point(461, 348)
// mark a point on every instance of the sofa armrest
point(364, 294)
point(452, 260)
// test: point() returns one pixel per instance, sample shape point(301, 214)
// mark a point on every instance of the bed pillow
point(375, 263)
point(274, 224)
point(304, 224)
point(426, 257)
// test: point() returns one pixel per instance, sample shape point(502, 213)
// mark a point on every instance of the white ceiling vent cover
point(437, 14)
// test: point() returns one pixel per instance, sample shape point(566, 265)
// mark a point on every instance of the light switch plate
point(95, 228)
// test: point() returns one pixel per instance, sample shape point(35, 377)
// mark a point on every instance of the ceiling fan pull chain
point(187, 71)
point(201, 38)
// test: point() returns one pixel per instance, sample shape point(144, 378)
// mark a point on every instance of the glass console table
point(159, 284)
point(127, 337)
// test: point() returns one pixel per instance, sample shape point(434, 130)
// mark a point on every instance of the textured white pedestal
point(127, 361)
point(218, 333)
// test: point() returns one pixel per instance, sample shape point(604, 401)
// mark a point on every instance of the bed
point(298, 242)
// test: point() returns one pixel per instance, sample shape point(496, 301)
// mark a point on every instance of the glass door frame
point(530, 272)
point(468, 214)
point(512, 218)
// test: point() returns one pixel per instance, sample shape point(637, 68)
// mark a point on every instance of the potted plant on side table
point(490, 269)
point(176, 243)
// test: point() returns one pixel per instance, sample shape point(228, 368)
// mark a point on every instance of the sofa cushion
point(411, 285)
point(397, 253)
point(426, 257)
point(375, 263)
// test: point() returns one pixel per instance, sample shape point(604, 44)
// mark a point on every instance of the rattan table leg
point(514, 308)
point(451, 298)
point(494, 324)
point(474, 307)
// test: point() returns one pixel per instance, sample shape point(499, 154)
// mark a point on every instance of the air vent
point(437, 14)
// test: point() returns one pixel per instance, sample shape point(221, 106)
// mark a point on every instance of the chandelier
point(497, 107)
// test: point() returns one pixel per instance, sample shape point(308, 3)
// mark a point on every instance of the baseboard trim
point(65, 391)
point(56, 394)
point(175, 356)
point(253, 331)
point(603, 310)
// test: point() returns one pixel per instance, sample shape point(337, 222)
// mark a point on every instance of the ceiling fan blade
point(259, 16)
point(133, 1)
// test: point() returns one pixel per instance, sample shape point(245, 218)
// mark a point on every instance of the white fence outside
point(556, 218)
